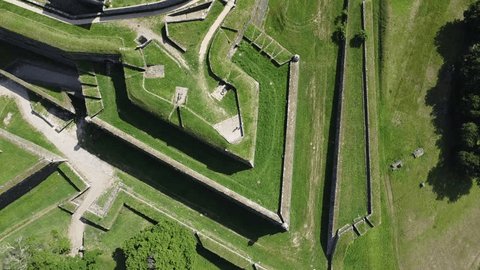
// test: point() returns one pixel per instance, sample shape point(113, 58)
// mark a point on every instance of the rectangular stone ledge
point(229, 194)
point(142, 8)
point(289, 149)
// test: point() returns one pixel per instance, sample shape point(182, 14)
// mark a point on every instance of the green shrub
point(163, 246)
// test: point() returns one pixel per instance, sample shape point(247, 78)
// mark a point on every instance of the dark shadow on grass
point(331, 153)
point(119, 257)
point(72, 7)
point(446, 180)
point(216, 260)
point(175, 184)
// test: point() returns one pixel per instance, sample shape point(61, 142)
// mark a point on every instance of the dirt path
point(141, 29)
point(98, 173)
point(213, 29)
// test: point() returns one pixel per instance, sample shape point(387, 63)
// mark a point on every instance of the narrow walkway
point(211, 32)
point(98, 173)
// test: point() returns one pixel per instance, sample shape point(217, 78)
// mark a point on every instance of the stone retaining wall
point(336, 158)
point(334, 237)
point(172, 41)
point(31, 147)
point(289, 148)
point(33, 178)
point(163, 4)
point(233, 196)
point(36, 91)
point(54, 53)
point(367, 118)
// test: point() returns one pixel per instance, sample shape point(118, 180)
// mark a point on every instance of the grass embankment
point(13, 160)
point(292, 25)
point(352, 198)
point(95, 38)
point(49, 193)
point(40, 229)
point(246, 90)
point(157, 95)
point(191, 34)
point(10, 54)
point(416, 84)
point(265, 177)
point(431, 225)
point(18, 126)
point(201, 111)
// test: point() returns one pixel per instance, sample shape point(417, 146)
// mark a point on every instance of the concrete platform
point(230, 129)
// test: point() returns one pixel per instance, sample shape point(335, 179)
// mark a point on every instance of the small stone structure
point(396, 165)
point(157, 71)
point(418, 152)
point(180, 97)
point(142, 41)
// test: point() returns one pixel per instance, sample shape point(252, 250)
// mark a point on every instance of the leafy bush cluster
point(163, 246)
point(469, 113)
point(33, 253)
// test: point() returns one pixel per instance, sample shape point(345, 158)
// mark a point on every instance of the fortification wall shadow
point(175, 184)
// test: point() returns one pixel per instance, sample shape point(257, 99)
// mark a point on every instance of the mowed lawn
point(433, 227)
point(13, 160)
point(55, 219)
point(19, 126)
point(352, 198)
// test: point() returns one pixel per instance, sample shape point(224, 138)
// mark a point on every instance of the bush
point(163, 246)
point(39, 254)
point(361, 36)
point(472, 21)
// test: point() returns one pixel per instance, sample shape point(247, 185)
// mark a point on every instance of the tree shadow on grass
point(119, 257)
point(446, 180)
point(216, 260)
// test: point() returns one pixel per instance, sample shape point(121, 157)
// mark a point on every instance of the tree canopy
point(469, 97)
point(163, 246)
point(33, 253)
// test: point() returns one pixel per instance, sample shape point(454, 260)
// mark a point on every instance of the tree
point(469, 134)
point(340, 34)
point(470, 163)
point(15, 255)
point(34, 253)
point(163, 246)
point(361, 36)
point(471, 69)
point(472, 20)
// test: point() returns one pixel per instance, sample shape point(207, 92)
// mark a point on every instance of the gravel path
point(97, 172)
point(208, 37)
